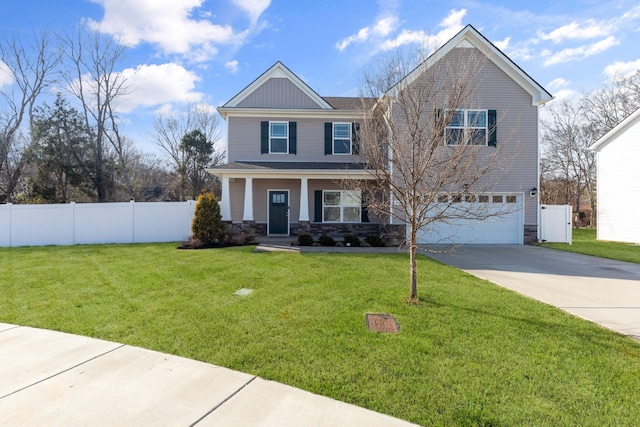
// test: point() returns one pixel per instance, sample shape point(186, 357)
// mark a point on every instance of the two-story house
point(289, 150)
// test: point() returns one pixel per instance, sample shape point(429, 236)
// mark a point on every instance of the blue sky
point(204, 51)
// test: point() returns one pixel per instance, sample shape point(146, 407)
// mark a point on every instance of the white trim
point(278, 70)
point(307, 113)
point(333, 138)
point(291, 173)
point(247, 214)
point(615, 131)
point(287, 127)
point(269, 190)
point(341, 206)
point(304, 200)
point(225, 202)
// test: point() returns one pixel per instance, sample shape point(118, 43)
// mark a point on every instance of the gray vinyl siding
point(278, 93)
point(244, 141)
point(517, 128)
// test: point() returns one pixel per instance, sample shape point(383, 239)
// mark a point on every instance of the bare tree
point(32, 69)
point(428, 172)
point(170, 131)
point(567, 135)
point(93, 79)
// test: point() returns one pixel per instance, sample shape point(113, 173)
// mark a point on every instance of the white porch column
point(225, 203)
point(304, 199)
point(248, 200)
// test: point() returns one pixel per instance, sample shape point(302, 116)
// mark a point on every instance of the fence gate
point(555, 223)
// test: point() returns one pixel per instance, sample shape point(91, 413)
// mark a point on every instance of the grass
point(470, 354)
point(584, 242)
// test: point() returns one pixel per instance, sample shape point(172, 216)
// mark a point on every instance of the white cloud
point(558, 83)
point(564, 94)
point(232, 66)
point(574, 31)
point(451, 25)
point(381, 28)
point(166, 23)
point(502, 44)
point(581, 52)
point(6, 76)
point(619, 68)
point(152, 85)
point(254, 8)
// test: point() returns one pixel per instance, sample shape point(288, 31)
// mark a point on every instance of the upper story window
point(279, 137)
point(467, 127)
point(342, 138)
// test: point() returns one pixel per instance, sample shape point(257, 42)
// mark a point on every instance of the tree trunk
point(412, 261)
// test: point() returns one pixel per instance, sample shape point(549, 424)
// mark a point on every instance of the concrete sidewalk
point(601, 290)
point(51, 378)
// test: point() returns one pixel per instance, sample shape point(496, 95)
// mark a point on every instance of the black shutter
point(328, 138)
point(264, 137)
point(491, 123)
point(364, 214)
point(355, 140)
point(292, 138)
point(317, 206)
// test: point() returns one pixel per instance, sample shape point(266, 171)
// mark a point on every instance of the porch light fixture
point(533, 192)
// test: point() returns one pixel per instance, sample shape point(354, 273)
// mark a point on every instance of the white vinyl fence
point(92, 223)
point(555, 223)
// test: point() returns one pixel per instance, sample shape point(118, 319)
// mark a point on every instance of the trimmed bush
point(305, 239)
point(351, 240)
point(325, 240)
point(207, 225)
point(375, 241)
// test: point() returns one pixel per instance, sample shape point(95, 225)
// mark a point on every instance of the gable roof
point(277, 70)
point(470, 37)
point(613, 133)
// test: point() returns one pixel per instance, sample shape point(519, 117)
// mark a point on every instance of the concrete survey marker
point(382, 323)
point(243, 292)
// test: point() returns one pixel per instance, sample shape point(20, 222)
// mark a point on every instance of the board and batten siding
point(244, 141)
point(618, 176)
point(278, 93)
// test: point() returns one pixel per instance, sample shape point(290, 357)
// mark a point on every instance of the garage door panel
point(507, 228)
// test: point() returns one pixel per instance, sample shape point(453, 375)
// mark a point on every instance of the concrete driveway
point(603, 291)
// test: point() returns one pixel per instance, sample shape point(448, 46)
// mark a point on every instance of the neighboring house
point(289, 149)
point(618, 174)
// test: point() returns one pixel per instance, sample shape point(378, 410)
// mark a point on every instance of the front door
point(278, 212)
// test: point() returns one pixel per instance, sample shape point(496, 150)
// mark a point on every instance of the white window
point(467, 127)
point(279, 137)
point(341, 206)
point(342, 138)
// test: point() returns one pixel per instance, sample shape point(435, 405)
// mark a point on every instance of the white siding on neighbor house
point(618, 177)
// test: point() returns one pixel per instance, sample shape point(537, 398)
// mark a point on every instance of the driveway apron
point(603, 291)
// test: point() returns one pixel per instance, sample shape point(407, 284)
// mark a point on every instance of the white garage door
point(506, 229)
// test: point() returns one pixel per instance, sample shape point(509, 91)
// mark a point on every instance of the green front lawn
point(471, 353)
point(584, 242)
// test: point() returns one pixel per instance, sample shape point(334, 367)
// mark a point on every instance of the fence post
point(9, 205)
point(133, 220)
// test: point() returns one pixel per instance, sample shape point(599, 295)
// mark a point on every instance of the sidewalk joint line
point(62, 372)
point(222, 403)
